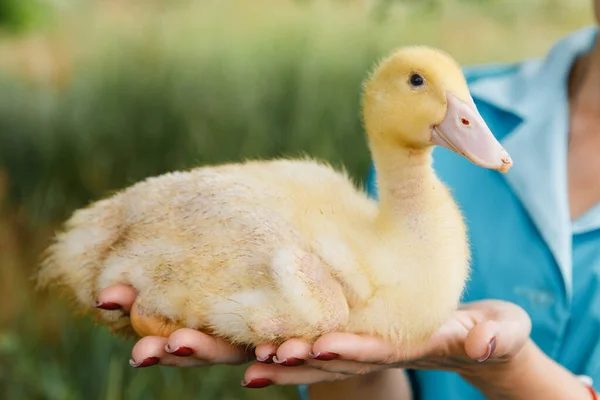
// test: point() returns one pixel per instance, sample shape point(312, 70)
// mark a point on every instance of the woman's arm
point(530, 375)
point(389, 384)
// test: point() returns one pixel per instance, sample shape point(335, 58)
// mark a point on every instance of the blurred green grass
point(109, 93)
point(16, 15)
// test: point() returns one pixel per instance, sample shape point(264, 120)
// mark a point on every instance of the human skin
point(514, 367)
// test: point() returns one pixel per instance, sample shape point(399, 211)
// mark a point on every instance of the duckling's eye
point(416, 80)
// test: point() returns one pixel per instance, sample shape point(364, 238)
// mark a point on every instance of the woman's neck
point(404, 177)
point(584, 83)
point(583, 164)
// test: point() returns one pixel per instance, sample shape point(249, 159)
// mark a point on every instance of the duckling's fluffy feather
point(255, 252)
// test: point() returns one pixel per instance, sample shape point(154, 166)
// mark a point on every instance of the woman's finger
point(186, 343)
point(496, 339)
point(348, 346)
point(482, 340)
point(292, 352)
point(116, 297)
point(351, 368)
point(502, 329)
point(260, 375)
point(265, 352)
point(150, 350)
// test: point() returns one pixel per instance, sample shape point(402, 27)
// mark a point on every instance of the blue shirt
point(525, 247)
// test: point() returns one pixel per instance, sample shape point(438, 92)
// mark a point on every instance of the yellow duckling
point(265, 251)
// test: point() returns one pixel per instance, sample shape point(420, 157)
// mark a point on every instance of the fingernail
point(257, 383)
point(490, 350)
point(266, 360)
point(288, 362)
point(106, 306)
point(180, 351)
point(324, 356)
point(147, 362)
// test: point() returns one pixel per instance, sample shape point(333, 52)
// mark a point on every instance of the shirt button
point(537, 297)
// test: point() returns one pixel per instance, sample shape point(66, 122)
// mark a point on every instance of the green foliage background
point(95, 96)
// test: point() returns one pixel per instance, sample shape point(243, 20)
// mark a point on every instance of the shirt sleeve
point(303, 392)
point(371, 183)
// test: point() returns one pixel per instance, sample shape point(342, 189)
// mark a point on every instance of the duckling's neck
point(406, 183)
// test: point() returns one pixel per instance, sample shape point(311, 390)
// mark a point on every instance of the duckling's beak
point(464, 131)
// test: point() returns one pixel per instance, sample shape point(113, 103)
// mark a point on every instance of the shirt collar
point(519, 93)
point(537, 93)
point(589, 221)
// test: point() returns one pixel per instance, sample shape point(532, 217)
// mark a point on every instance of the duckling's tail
point(73, 262)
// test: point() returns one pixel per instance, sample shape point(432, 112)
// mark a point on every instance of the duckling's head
point(417, 98)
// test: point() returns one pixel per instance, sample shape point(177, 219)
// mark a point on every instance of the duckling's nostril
point(465, 121)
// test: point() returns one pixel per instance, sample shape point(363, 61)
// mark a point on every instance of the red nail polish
point(490, 350)
point(181, 351)
point(324, 356)
point(147, 362)
point(267, 360)
point(106, 306)
point(288, 362)
point(257, 383)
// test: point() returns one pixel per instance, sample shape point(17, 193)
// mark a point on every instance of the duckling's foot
point(149, 325)
point(117, 322)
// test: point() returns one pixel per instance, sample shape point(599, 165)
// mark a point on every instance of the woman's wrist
point(387, 384)
point(529, 374)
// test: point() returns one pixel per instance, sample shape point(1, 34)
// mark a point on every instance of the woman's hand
point(480, 337)
point(486, 342)
point(182, 348)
